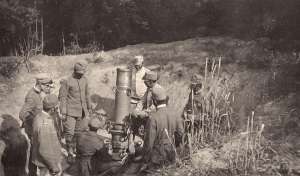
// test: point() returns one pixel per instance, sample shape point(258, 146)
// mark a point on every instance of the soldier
point(146, 104)
point(33, 101)
point(14, 148)
point(139, 74)
point(33, 106)
point(88, 143)
point(194, 106)
point(46, 148)
point(159, 149)
point(74, 105)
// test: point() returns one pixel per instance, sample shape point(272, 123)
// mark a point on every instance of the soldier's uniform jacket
point(146, 102)
point(74, 97)
point(158, 147)
point(88, 143)
point(46, 149)
point(32, 106)
point(198, 106)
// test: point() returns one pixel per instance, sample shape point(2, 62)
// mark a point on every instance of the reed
point(214, 120)
point(244, 158)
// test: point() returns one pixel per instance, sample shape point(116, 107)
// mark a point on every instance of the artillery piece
point(119, 128)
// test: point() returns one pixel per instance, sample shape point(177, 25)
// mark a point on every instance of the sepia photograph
point(149, 88)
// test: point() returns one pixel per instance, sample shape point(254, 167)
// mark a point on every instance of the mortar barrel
point(123, 94)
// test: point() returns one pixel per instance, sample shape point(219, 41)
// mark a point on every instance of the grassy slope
point(255, 75)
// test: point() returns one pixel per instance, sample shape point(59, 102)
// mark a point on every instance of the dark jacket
point(13, 154)
point(74, 97)
point(88, 144)
point(160, 129)
point(46, 149)
point(32, 106)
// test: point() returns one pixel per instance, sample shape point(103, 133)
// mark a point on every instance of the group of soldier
point(43, 114)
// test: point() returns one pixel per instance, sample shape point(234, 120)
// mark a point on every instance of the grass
point(215, 105)
point(216, 122)
point(249, 151)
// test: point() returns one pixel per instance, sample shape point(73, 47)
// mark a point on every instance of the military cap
point(50, 101)
point(159, 93)
point(96, 123)
point(101, 112)
point(43, 78)
point(196, 78)
point(80, 67)
point(139, 59)
point(151, 75)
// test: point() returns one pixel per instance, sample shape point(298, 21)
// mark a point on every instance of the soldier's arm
point(87, 96)
point(27, 109)
point(63, 93)
point(2, 148)
point(46, 138)
point(139, 110)
point(99, 143)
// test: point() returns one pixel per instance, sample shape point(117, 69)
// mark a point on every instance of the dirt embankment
point(260, 80)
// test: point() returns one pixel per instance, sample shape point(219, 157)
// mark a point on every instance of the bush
point(9, 65)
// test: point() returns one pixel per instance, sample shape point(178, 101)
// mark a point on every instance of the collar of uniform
point(37, 89)
point(46, 113)
point(161, 106)
point(141, 70)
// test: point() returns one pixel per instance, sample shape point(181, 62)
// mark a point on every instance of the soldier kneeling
point(92, 151)
point(88, 143)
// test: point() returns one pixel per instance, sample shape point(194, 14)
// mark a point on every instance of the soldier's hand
point(60, 115)
point(63, 117)
point(144, 114)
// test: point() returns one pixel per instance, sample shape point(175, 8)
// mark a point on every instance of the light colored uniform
point(139, 82)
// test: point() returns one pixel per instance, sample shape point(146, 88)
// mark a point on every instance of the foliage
point(15, 18)
point(215, 117)
point(115, 23)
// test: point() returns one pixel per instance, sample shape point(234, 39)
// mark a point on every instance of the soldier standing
point(74, 105)
point(139, 74)
point(195, 105)
point(33, 101)
point(33, 105)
